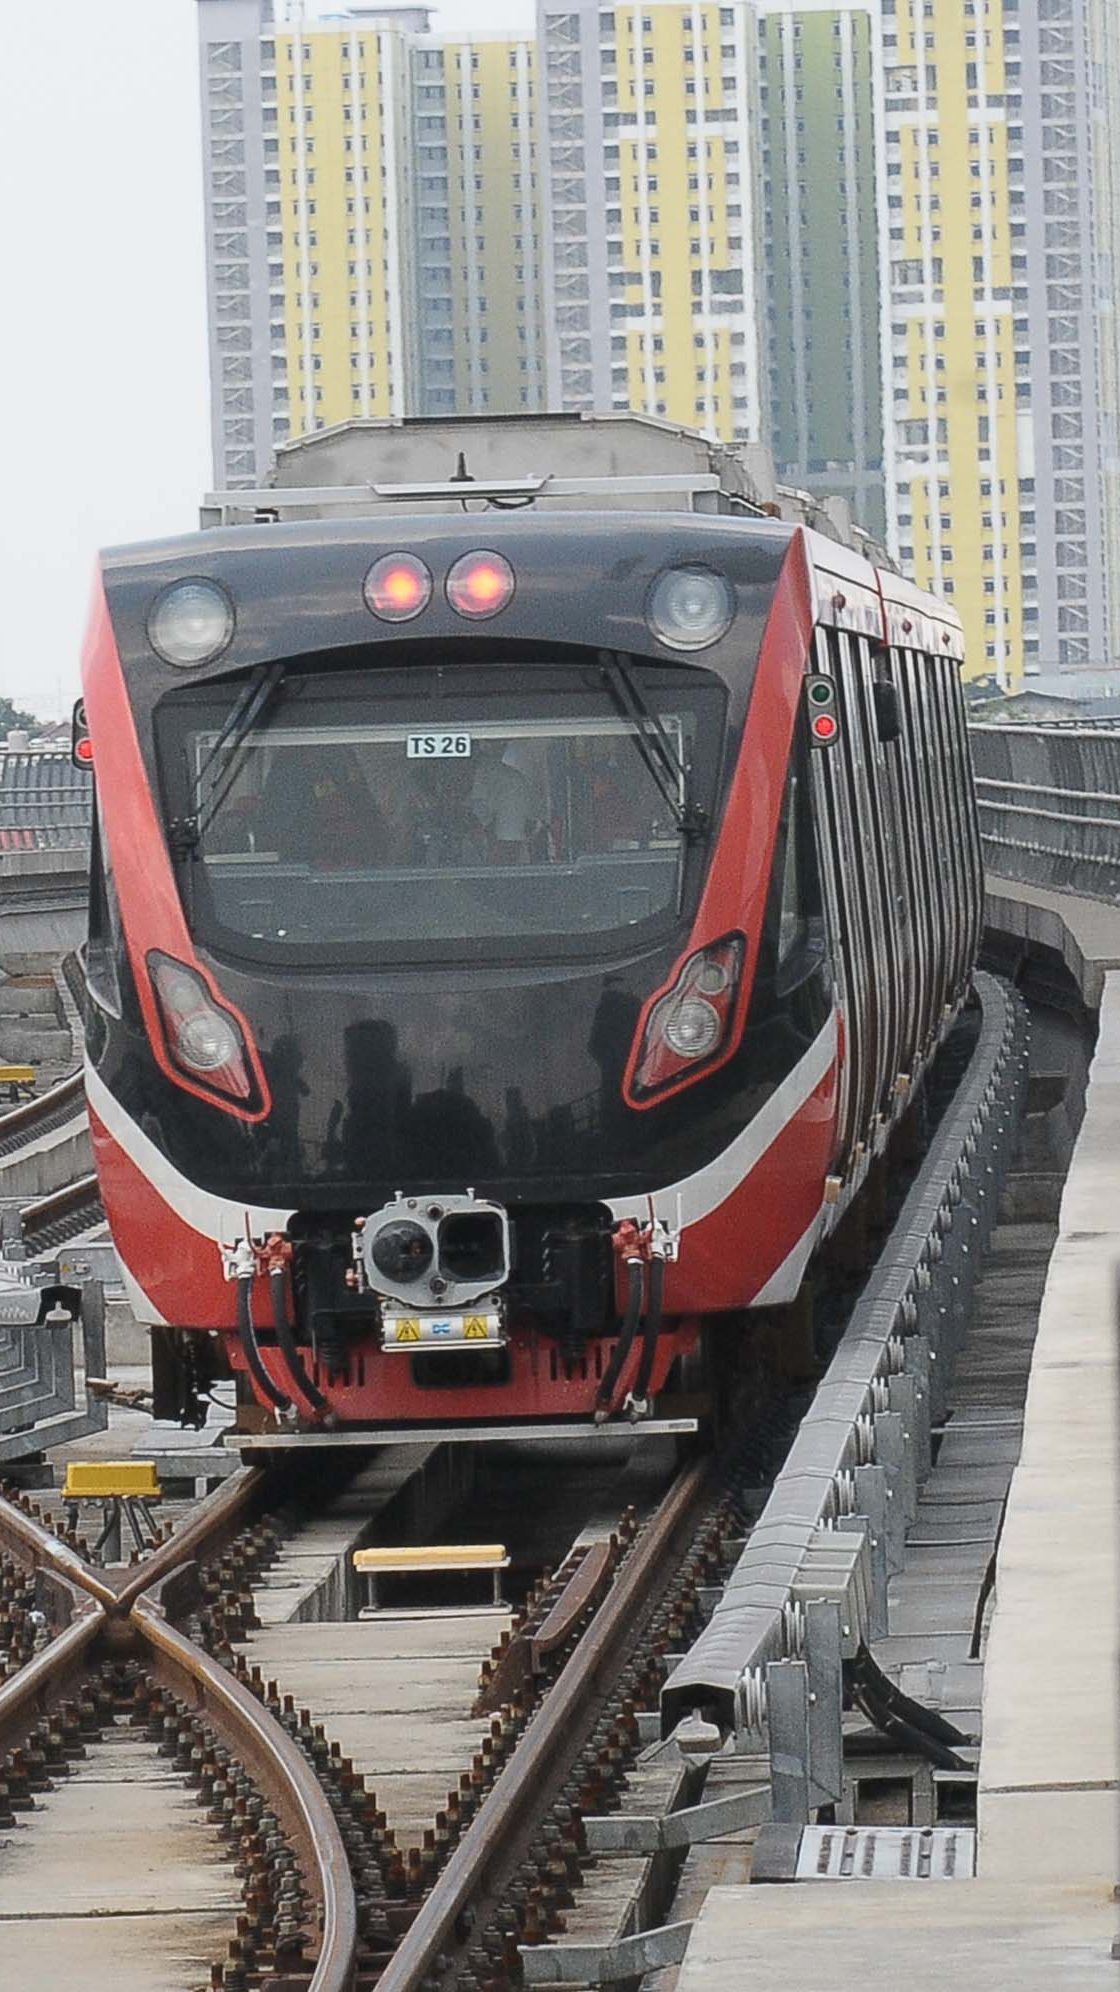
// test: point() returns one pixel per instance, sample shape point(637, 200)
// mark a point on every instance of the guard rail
point(1049, 799)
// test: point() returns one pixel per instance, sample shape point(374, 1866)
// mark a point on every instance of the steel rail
point(220, 1514)
point(279, 1767)
point(492, 1835)
point(22, 1123)
point(29, 1542)
point(61, 1203)
point(259, 1742)
point(27, 1694)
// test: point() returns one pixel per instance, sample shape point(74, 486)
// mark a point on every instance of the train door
point(915, 765)
point(958, 765)
point(957, 865)
point(849, 909)
point(883, 863)
point(901, 867)
point(974, 862)
point(904, 779)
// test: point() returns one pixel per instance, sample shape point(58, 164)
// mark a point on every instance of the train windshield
point(408, 811)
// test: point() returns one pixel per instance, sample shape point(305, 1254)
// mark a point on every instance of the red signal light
point(824, 726)
point(397, 587)
point(480, 585)
point(83, 751)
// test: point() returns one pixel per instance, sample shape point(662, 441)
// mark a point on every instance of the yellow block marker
point(106, 1480)
point(433, 1556)
point(379, 1562)
point(17, 1075)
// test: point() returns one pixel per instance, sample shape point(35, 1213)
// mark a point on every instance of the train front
point(460, 1039)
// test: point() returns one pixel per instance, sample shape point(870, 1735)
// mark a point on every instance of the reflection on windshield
point(343, 832)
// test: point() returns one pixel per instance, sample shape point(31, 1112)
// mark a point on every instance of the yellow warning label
point(408, 1331)
point(476, 1328)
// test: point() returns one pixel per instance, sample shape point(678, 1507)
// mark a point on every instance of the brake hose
point(652, 1327)
point(249, 1348)
point(625, 1341)
point(303, 1382)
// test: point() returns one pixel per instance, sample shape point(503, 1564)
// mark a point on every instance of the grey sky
point(102, 320)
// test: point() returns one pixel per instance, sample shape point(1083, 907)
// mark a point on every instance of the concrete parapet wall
point(1085, 933)
point(1048, 1769)
point(70, 863)
point(48, 1164)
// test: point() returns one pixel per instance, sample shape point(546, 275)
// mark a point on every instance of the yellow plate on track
point(104, 1479)
point(433, 1556)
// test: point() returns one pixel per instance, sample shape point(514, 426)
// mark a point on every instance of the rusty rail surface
point(80, 1199)
point(28, 1694)
point(98, 1609)
point(20, 1124)
point(275, 1763)
point(607, 1600)
point(489, 1844)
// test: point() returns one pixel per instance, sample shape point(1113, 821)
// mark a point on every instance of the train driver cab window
point(385, 818)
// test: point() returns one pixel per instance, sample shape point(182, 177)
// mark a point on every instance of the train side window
point(924, 856)
point(850, 918)
point(974, 860)
point(951, 800)
point(105, 937)
point(799, 916)
point(933, 829)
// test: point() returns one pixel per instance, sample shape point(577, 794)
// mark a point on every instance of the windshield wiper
point(655, 745)
point(212, 782)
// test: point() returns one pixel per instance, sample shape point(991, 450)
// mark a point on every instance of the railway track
point(67, 1213)
point(711, 1589)
point(32, 1119)
point(65, 1209)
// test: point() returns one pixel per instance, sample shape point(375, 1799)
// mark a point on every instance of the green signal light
point(820, 694)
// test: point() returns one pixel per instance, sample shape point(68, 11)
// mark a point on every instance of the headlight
point(206, 1041)
point(693, 1028)
point(203, 1039)
point(691, 607)
point(191, 622)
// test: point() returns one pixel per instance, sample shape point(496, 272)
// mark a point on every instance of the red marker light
point(83, 751)
point(397, 587)
point(479, 585)
point(824, 727)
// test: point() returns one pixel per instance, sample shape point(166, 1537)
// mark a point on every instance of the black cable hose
point(249, 1347)
point(287, 1341)
point(625, 1341)
point(652, 1328)
point(907, 1722)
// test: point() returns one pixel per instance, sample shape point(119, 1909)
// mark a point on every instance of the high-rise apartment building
point(652, 231)
point(882, 236)
point(1001, 129)
point(473, 149)
point(821, 183)
point(958, 428)
point(1066, 196)
point(373, 223)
